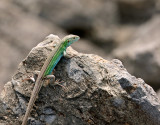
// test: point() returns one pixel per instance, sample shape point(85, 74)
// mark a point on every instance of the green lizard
point(48, 67)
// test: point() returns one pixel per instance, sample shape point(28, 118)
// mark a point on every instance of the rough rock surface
point(95, 92)
point(141, 55)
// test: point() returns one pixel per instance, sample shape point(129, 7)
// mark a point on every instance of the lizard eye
point(68, 41)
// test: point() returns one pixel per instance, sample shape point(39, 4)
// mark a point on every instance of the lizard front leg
point(65, 54)
point(68, 55)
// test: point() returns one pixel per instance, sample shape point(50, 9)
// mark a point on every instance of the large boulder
point(95, 92)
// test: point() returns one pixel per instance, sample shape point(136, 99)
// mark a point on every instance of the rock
point(141, 55)
point(96, 21)
point(96, 91)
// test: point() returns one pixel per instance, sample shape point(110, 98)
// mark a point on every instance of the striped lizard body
point(47, 68)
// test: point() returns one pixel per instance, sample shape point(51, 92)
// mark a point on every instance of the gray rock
point(96, 91)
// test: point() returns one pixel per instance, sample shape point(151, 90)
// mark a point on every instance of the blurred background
point(128, 30)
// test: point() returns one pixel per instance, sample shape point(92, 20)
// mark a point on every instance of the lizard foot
point(29, 78)
point(32, 78)
point(57, 82)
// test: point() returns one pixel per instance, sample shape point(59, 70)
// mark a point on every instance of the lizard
point(47, 68)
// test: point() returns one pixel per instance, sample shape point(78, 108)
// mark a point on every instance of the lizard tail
point(31, 101)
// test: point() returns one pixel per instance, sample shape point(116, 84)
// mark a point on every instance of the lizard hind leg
point(49, 79)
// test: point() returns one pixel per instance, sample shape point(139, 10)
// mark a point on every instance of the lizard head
point(68, 40)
